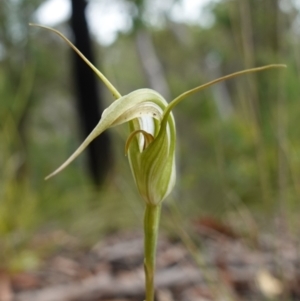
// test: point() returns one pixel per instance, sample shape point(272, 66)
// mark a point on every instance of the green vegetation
point(238, 142)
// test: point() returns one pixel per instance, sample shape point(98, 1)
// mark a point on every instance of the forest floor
point(219, 266)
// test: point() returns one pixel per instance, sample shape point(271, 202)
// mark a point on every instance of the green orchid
point(150, 145)
point(150, 148)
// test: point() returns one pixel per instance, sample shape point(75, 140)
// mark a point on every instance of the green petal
point(154, 169)
point(136, 104)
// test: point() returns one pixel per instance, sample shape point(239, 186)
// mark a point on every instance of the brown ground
point(226, 268)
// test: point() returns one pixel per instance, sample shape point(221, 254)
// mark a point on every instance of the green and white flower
point(150, 147)
point(152, 140)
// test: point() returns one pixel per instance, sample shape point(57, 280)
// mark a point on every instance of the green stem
point(151, 223)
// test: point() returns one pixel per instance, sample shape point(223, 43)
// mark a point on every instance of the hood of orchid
point(151, 150)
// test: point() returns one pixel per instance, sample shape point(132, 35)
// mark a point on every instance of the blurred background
point(238, 151)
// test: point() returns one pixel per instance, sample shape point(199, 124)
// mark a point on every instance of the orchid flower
point(150, 148)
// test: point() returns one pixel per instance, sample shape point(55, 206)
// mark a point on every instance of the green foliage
point(252, 153)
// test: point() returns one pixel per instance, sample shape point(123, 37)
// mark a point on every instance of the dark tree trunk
point(89, 103)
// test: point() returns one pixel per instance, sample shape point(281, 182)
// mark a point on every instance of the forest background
point(238, 150)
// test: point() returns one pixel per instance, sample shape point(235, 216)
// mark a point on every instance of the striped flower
point(151, 143)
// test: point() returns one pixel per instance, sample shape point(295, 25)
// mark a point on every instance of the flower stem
point(151, 223)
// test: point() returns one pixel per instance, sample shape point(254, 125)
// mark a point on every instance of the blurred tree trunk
point(220, 92)
point(253, 26)
point(151, 64)
point(261, 45)
point(89, 102)
point(17, 65)
point(149, 60)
